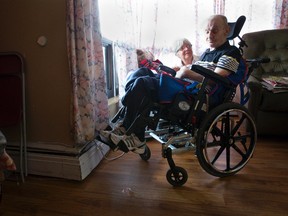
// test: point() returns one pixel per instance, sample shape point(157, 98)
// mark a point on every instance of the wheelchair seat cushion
point(171, 86)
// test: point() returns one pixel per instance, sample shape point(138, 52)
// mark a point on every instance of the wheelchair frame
point(223, 137)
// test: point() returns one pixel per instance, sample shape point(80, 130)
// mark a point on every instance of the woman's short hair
point(179, 43)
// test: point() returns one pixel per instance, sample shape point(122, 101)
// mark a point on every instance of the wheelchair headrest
point(235, 27)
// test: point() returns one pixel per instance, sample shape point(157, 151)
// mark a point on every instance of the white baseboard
point(61, 165)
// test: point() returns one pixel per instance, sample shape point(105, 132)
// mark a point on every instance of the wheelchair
point(223, 135)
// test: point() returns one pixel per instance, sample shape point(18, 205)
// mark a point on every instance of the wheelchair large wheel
point(226, 140)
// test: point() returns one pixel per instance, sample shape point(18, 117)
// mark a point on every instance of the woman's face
point(185, 53)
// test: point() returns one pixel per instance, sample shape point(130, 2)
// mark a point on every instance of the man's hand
point(185, 72)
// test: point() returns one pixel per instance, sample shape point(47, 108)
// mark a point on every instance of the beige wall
point(47, 75)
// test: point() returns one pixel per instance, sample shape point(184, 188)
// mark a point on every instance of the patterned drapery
point(281, 14)
point(89, 100)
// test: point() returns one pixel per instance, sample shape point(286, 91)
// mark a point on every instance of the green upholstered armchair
point(269, 109)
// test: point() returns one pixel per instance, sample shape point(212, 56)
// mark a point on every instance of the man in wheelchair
point(198, 101)
point(221, 58)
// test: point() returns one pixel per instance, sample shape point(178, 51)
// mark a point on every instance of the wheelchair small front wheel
point(147, 154)
point(226, 140)
point(177, 176)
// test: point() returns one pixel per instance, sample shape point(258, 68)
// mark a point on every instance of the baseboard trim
point(60, 165)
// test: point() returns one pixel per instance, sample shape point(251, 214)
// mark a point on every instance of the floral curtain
point(89, 99)
point(281, 14)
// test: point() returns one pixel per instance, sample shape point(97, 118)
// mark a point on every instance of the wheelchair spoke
point(213, 144)
point(239, 123)
point(220, 151)
point(226, 122)
point(237, 149)
point(228, 157)
point(243, 140)
point(217, 132)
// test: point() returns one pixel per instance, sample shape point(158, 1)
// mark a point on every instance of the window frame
point(112, 85)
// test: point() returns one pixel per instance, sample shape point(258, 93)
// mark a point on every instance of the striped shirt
point(226, 57)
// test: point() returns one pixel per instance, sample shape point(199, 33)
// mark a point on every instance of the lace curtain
point(155, 24)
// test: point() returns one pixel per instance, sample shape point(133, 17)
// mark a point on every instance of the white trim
point(74, 166)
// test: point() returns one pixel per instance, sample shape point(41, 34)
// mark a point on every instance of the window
point(156, 24)
point(111, 77)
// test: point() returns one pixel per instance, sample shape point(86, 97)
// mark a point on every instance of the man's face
point(216, 33)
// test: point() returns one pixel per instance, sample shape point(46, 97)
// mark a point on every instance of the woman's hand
point(183, 72)
point(176, 68)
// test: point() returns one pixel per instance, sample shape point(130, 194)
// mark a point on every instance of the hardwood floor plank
point(131, 186)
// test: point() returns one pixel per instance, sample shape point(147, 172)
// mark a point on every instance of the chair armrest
point(254, 84)
point(256, 89)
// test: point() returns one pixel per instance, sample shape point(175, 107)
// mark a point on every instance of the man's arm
point(222, 72)
point(189, 74)
point(185, 72)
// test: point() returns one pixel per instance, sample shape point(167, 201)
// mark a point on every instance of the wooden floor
point(131, 186)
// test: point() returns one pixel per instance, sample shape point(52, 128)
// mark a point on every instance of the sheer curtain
point(155, 24)
point(89, 100)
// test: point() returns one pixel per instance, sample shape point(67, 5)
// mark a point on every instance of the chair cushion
point(272, 44)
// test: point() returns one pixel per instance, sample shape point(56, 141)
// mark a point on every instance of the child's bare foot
point(6, 162)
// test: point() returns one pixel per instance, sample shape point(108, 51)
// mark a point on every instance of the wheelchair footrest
point(156, 137)
point(181, 148)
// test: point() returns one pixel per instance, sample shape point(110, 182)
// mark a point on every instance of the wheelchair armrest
point(256, 91)
point(166, 69)
point(255, 63)
point(211, 75)
point(258, 60)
